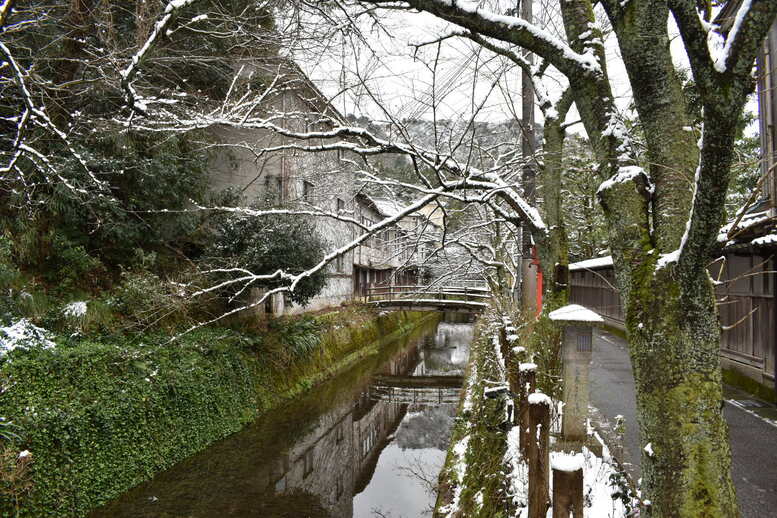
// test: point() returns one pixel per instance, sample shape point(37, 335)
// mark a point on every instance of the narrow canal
point(367, 444)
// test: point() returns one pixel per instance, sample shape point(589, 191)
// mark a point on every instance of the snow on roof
point(748, 220)
point(576, 313)
point(765, 240)
point(589, 264)
point(387, 207)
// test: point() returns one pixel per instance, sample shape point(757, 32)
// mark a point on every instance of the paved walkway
point(753, 438)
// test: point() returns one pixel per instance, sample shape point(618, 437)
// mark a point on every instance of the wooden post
point(539, 454)
point(568, 486)
point(527, 377)
point(503, 342)
point(517, 357)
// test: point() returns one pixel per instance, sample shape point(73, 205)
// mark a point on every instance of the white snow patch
point(649, 449)
point(765, 240)
point(567, 461)
point(22, 335)
point(624, 174)
point(538, 398)
point(665, 259)
point(526, 367)
point(720, 53)
point(588, 264)
point(75, 309)
point(575, 312)
point(24, 454)
point(459, 470)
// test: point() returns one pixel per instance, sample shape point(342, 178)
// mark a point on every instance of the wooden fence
point(746, 301)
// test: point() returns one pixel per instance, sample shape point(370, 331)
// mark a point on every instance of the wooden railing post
point(539, 454)
point(527, 377)
point(503, 342)
point(517, 357)
point(568, 486)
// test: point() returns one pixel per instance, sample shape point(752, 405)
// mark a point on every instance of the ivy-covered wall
point(92, 419)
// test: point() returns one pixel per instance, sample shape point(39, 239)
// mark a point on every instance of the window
point(273, 187)
point(339, 263)
point(340, 206)
point(307, 191)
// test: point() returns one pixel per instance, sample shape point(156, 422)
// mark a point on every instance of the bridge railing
point(409, 292)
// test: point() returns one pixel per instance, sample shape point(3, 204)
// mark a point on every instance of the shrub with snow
point(23, 334)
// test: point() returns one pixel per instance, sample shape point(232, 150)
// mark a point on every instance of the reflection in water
point(336, 452)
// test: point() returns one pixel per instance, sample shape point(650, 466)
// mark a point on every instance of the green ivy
point(102, 417)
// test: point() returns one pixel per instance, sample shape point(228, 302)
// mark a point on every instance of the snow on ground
point(459, 470)
point(518, 474)
point(597, 475)
point(22, 335)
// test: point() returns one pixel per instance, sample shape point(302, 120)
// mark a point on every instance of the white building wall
point(238, 163)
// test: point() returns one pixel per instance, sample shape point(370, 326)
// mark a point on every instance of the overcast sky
point(402, 82)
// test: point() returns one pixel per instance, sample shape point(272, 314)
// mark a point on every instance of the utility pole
point(528, 177)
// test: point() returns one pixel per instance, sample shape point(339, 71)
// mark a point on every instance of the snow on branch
point(510, 29)
point(364, 142)
point(131, 71)
point(248, 278)
point(36, 115)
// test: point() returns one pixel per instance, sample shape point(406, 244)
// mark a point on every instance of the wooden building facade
point(746, 291)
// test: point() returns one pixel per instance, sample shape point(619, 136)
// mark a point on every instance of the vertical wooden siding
point(595, 289)
point(747, 310)
point(745, 295)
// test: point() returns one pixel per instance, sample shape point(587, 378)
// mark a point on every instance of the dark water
point(367, 444)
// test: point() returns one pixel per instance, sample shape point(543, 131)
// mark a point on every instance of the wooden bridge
point(465, 299)
point(438, 390)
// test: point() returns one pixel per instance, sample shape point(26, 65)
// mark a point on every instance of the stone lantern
point(577, 346)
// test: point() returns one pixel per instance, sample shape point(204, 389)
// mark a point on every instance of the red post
point(536, 262)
